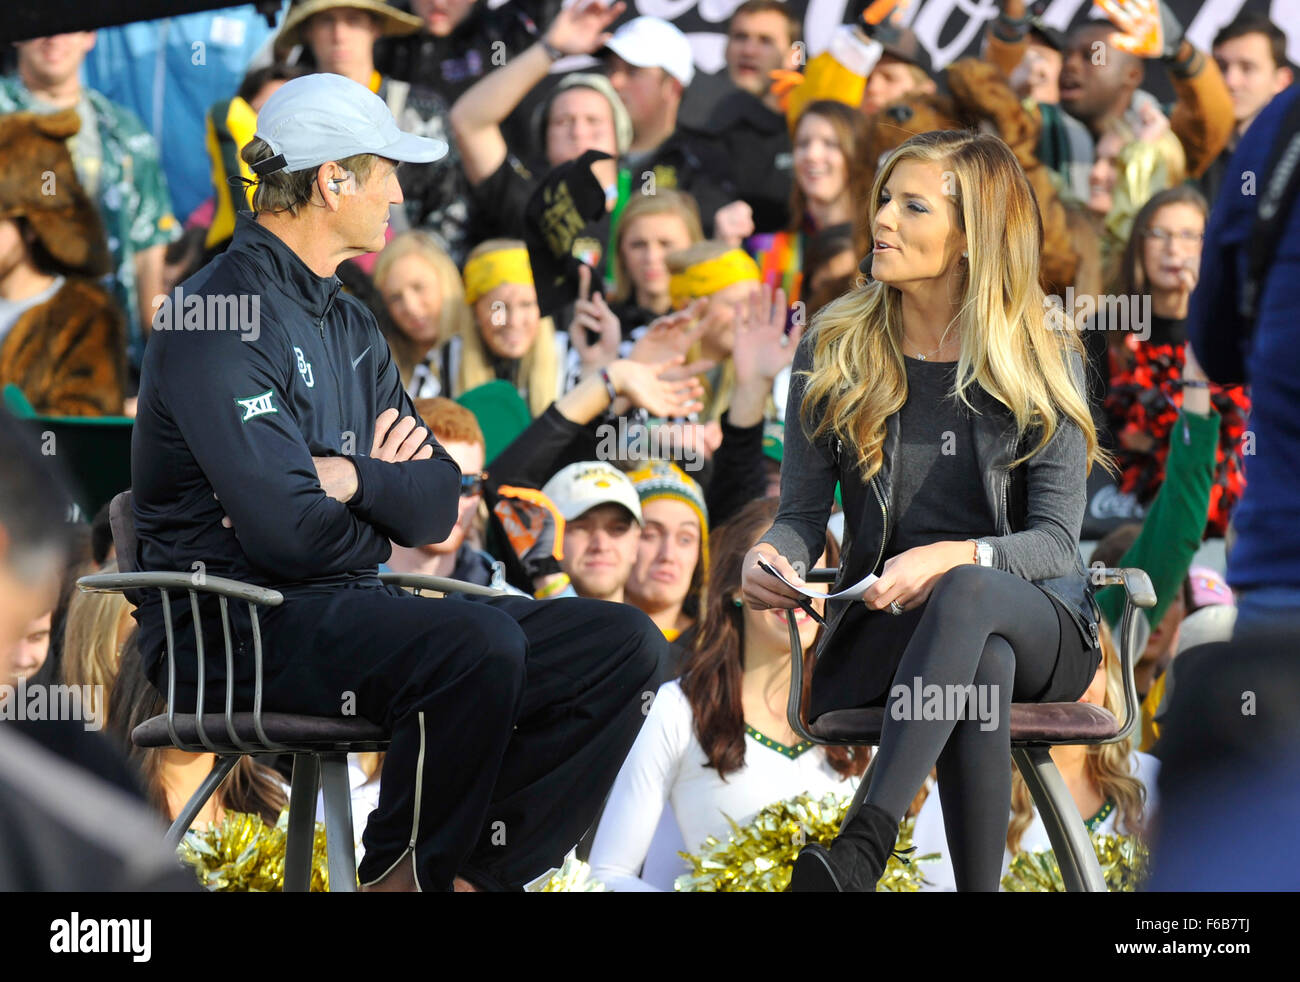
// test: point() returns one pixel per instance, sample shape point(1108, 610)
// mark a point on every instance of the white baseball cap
point(652, 42)
point(317, 118)
point(582, 486)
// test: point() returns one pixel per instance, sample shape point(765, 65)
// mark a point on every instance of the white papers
point(853, 592)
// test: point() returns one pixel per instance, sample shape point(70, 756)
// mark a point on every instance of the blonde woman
point(951, 412)
point(651, 227)
point(97, 628)
point(508, 339)
point(1113, 785)
point(425, 298)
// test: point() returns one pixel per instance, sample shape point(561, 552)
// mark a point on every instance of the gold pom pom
point(574, 876)
point(760, 856)
point(1124, 861)
point(242, 854)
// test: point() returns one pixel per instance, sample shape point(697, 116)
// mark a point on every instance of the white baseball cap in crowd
point(652, 42)
point(317, 118)
point(582, 486)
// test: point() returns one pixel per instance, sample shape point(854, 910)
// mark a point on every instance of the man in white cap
point(602, 527)
point(282, 451)
point(650, 65)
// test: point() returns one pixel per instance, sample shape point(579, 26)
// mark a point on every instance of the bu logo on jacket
point(304, 368)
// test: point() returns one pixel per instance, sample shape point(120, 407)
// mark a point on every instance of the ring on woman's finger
point(895, 607)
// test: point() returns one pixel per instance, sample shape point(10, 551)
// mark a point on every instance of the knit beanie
point(664, 479)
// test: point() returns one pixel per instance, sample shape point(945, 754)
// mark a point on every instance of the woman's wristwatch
point(983, 552)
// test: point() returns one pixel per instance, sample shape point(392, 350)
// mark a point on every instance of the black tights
point(988, 628)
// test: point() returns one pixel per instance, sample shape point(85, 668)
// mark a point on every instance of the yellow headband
point(710, 276)
point(485, 273)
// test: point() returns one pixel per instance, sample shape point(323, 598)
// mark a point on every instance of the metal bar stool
point(319, 745)
point(1035, 729)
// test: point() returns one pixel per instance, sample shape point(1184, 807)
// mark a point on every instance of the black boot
point(855, 860)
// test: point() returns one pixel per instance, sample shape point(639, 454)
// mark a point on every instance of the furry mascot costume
point(982, 99)
point(67, 353)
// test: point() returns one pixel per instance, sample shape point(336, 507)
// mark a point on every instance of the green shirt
point(120, 163)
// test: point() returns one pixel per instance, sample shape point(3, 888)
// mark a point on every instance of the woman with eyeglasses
point(1158, 273)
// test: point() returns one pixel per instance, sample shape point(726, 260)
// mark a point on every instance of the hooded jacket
point(255, 365)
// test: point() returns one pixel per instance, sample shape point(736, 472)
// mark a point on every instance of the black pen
point(804, 603)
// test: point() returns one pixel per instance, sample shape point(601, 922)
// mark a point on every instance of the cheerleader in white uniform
point(716, 743)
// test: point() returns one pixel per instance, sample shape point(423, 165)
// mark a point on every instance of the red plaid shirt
point(1145, 397)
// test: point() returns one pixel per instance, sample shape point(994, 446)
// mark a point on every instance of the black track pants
point(509, 718)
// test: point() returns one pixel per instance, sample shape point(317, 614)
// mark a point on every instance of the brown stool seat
point(350, 733)
point(1031, 722)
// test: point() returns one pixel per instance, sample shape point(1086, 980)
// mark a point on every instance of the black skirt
point(857, 665)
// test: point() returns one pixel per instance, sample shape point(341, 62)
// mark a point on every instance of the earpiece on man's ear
point(346, 185)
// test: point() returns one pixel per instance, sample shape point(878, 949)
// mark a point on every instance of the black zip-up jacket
point(755, 142)
point(1037, 507)
point(228, 421)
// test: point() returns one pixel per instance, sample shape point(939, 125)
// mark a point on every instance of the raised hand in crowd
point(672, 334)
point(592, 314)
point(762, 349)
point(664, 388)
point(1152, 122)
point(1147, 28)
point(580, 29)
point(658, 388)
point(733, 223)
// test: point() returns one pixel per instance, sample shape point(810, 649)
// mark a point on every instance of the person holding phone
point(950, 409)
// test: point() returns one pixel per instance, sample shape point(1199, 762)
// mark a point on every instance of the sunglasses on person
point(472, 484)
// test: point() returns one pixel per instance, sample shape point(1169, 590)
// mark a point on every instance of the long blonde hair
point(90, 652)
point(539, 368)
point(666, 201)
point(1009, 343)
point(1107, 765)
point(454, 315)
